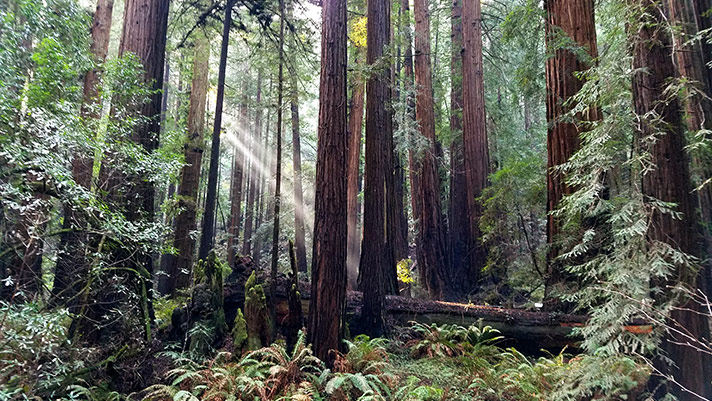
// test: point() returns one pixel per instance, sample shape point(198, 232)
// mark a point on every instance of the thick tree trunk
point(375, 257)
point(257, 171)
point(208, 233)
point(326, 320)
point(574, 18)
point(178, 272)
point(299, 213)
point(474, 137)
point(353, 177)
point(72, 267)
point(432, 235)
point(457, 210)
point(669, 181)
point(692, 57)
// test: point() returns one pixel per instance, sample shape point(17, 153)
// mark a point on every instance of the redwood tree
point(177, 274)
point(431, 227)
point(353, 177)
point(668, 181)
point(575, 20)
point(459, 234)
point(329, 256)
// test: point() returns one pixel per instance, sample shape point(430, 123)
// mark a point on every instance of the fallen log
point(529, 331)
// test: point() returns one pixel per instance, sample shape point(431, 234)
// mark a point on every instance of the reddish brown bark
point(178, 270)
point(375, 256)
point(574, 18)
point(329, 256)
point(457, 210)
point(692, 57)
point(474, 135)
point(669, 181)
point(431, 227)
point(355, 122)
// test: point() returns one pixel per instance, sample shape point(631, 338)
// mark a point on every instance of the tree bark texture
point(328, 290)
point(355, 126)
point(431, 228)
point(669, 181)
point(459, 233)
point(474, 136)
point(575, 20)
point(375, 257)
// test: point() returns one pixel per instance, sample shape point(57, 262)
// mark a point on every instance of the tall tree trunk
point(355, 121)
point(257, 171)
point(432, 226)
point(574, 18)
point(409, 87)
point(265, 188)
point(299, 213)
point(278, 172)
point(375, 255)
point(208, 234)
point(236, 193)
point(179, 269)
point(692, 58)
point(328, 291)
point(457, 210)
point(72, 267)
point(669, 181)
point(474, 136)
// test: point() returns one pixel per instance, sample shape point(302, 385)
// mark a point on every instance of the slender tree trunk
point(669, 181)
point(236, 193)
point(178, 271)
point(208, 234)
point(409, 87)
point(355, 121)
point(71, 268)
point(328, 291)
point(432, 226)
point(574, 18)
point(278, 174)
point(299, 215)
point(266, 187)
point(256, 172)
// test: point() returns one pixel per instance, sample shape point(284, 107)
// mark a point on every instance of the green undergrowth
point(427, 362)
point(438, 363)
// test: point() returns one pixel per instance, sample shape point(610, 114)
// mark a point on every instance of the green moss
point(239, 331)
point(256, 314)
